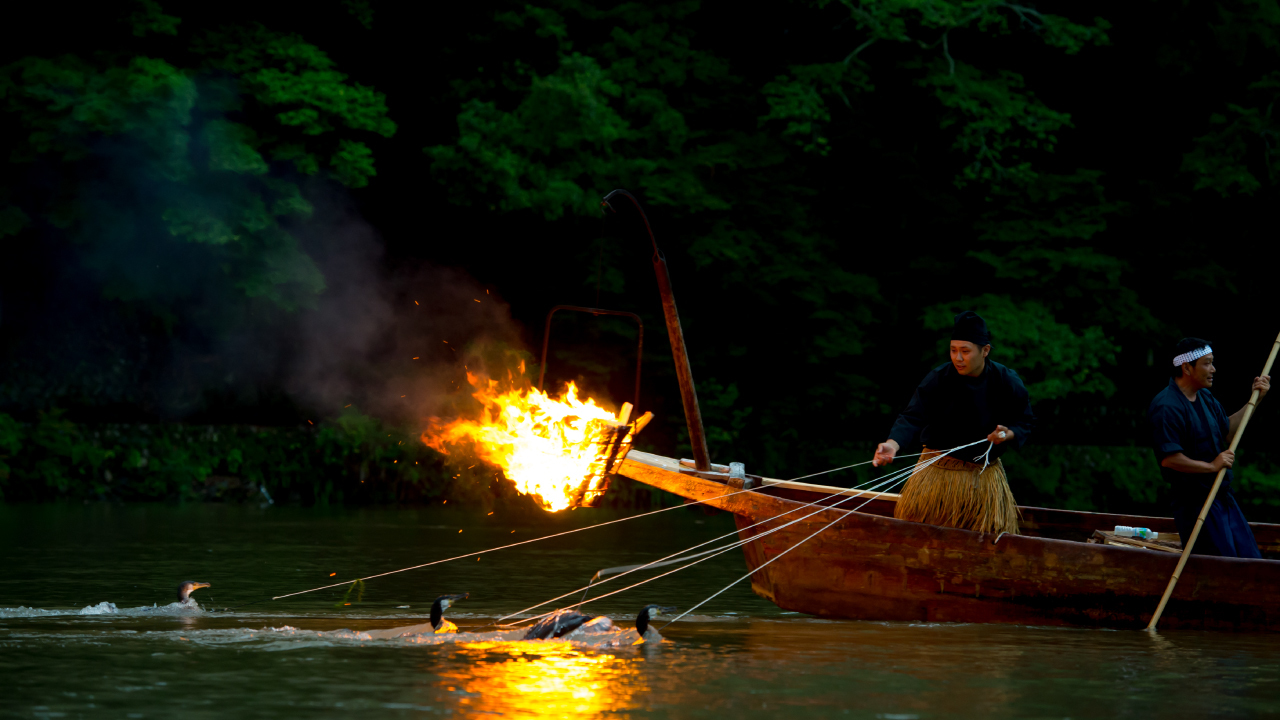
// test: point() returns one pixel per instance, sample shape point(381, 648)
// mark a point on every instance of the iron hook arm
point(680, 354)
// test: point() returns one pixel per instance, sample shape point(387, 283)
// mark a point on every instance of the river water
point(87, 630)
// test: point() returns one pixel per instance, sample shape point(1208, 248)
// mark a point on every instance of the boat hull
point(866, 566)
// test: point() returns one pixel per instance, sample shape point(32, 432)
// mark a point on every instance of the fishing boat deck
point(1071, 525)
point(866, 564)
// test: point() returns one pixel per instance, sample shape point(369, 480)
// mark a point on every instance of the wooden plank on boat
point(668, 463)
point(1110, 538)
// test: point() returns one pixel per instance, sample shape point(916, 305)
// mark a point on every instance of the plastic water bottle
point(1125, 531)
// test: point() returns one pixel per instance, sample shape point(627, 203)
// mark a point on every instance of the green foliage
point(361, 10)
point(1256, 484)
point(561, 137)
point(594, 123)
point(800, 99)
point(996, 120)
point(192, 154)
point(1096, 479)
point(12, 220)
point(1038, 245)
point(66, 104)
point(723, 417)
point(354, 458)
point(827, 203)
point(150, 18)
point(1222, 158)
point(1240, 153)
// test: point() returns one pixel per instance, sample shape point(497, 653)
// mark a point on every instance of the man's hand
point(1225, 460)
point(1262, 385)
point(885, 452)
point(1000, 434)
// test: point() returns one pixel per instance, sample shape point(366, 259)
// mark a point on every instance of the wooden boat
point(871, 566)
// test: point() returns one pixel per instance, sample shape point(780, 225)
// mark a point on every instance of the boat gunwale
point(672, 466)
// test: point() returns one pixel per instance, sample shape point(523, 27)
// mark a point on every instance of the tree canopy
point(831, 181)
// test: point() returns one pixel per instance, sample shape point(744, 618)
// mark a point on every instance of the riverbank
point(356, 459)
point(353, 459)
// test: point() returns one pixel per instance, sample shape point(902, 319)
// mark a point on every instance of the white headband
point(1190, 357)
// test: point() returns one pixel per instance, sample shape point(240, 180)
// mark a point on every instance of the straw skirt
point(959, 494)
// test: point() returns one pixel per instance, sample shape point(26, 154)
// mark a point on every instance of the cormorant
point(564, 622)
point(186, 587)
point(438, 623)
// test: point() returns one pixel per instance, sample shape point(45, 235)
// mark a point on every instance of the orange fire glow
point(553, 448)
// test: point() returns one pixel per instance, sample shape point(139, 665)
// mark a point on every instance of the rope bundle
point(959, 494)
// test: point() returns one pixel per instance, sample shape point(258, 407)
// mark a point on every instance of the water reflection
point(67, 651)
point(544, 679)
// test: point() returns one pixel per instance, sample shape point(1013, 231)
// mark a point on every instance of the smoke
point(395, 341)
point(124, 321)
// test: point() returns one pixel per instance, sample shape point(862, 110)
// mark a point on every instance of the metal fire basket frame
point(679, 352)
point(546, 340)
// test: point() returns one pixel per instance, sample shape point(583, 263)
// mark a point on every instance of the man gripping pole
point(1190, 434)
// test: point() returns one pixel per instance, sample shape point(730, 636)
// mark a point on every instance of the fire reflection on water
point(551, 679)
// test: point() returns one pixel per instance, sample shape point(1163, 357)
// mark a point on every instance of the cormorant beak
point(446, 601)
point(186, 587)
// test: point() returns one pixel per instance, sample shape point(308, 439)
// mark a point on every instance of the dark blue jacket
point(949, 409)
point(1199, 430)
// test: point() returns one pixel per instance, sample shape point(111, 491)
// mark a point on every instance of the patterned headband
point(1190, 357)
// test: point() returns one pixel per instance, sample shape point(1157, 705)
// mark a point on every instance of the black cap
point(970, 327)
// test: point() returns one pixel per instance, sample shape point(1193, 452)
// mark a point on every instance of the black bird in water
point(438, 623)
point(186, 587)
point(563, 622)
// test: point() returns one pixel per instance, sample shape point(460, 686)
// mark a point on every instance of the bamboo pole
point(1208, 503)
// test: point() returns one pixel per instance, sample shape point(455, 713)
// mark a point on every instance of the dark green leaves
point(206, 156)
point(296, 84)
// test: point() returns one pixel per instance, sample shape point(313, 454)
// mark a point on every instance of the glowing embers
point(554, 449)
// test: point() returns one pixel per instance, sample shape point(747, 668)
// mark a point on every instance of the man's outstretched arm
point(1262, 385)
point(1183, 464)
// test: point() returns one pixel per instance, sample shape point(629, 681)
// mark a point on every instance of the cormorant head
point(442, 602)
point(186, 587)
point(647, 613)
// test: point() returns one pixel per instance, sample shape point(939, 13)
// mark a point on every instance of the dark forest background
point(256, 240)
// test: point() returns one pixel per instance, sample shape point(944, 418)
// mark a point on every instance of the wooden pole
point(1208, 503)
point(679, 353)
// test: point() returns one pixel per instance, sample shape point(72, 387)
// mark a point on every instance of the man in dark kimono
point(1191, 433)
point(968, 399)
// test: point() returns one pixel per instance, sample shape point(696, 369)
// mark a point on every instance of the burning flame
point(554, 449)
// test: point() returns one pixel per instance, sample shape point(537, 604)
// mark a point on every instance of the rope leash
point(570, 532)
point(889, 480)
point(661, 561)
point(793, 547)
